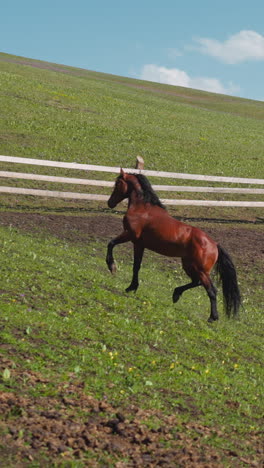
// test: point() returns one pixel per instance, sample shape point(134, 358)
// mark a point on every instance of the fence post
point(139, 163)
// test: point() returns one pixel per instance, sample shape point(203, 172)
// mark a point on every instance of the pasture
point(90, 375)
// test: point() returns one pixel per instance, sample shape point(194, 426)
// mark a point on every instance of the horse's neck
point(136, 196)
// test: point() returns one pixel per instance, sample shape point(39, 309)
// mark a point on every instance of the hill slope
point(92, 376)
point(56, 112)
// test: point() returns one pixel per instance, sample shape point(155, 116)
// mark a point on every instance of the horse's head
point(121, 190)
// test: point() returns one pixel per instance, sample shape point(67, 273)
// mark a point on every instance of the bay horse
point(148, 225)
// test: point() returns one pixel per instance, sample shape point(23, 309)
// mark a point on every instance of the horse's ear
point(122, 173)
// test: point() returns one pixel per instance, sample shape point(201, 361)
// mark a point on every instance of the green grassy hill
point(62, 113)
point(92, 376)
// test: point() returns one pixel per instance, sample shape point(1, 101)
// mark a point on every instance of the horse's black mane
point(148, 193)
point(149, 196)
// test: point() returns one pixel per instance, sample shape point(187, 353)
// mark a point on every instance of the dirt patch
point(246, 244)
point(76, 426)
point(59, 434)
point(69, 228)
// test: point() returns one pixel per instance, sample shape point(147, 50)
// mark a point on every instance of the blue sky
point(215, 46)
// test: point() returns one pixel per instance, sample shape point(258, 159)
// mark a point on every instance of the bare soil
point(244, 242)
point(51, 429)
point(58, 433)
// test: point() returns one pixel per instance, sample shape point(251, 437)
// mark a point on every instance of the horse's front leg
point(138, 255)
point(121, 239)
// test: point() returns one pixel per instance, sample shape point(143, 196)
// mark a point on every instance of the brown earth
point(246, 244)
point(57, 432)
point(51, 429)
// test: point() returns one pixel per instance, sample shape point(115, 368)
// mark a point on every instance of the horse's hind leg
point(194, 283)
point(212, 291)
point(199, 278)
point(180, 289)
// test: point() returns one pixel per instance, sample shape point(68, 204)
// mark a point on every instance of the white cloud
point(176, 77)
point(174, 53)
point(243, 46)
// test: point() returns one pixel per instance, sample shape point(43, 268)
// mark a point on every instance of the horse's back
point(161, 233)
point(158, 231)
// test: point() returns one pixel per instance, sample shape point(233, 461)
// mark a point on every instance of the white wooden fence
point(114, 170)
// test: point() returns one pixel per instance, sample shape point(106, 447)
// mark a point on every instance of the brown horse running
point(148, 225)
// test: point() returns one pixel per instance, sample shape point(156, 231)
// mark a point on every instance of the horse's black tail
point(227, 273)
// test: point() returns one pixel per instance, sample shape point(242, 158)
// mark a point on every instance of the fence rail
point(90, 167)
point(102, 183)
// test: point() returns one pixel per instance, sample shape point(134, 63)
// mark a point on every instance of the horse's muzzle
point(111, 203)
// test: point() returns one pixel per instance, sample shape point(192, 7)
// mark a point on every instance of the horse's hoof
point(175, 298)
point(212, 319)
point(112, 268)
point(131, 288)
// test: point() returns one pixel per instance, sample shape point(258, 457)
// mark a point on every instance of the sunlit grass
point(78, 117)
point(69, 318)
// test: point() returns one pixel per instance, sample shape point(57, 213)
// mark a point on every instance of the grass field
point(72, 114)
point(67, 328)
